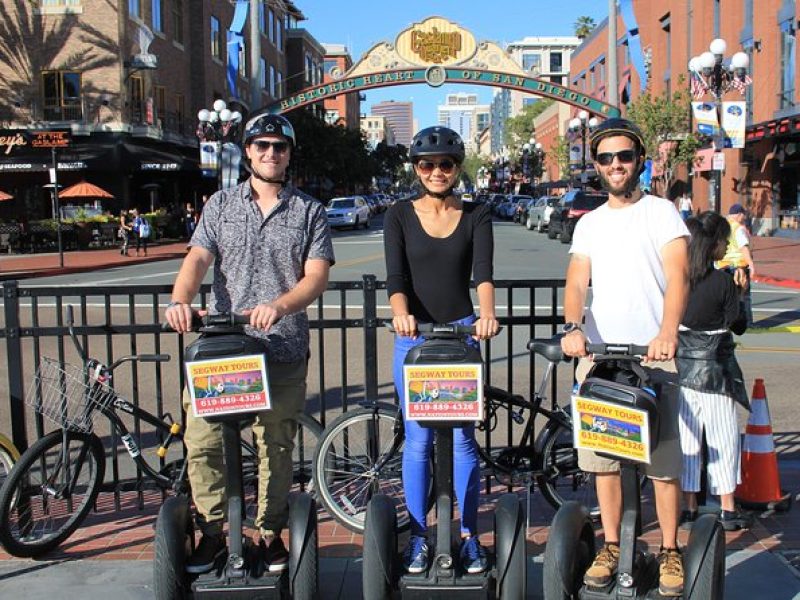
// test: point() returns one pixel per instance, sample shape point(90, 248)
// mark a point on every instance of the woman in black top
point(433, 245)
point(710, 378)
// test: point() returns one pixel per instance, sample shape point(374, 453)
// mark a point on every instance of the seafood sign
point(223, 386)
point(443, 392)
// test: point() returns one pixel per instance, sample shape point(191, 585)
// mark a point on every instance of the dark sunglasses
point(262, 146)
point(446, 166)
point(626, 157)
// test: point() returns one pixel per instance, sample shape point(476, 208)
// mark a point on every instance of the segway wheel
point(380, 548)
point(174, 543)
point(303, 549)
point(704, 560)
point(568, 553)
point(511, 552)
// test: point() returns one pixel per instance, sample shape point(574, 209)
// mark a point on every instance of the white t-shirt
point(686, 203)
point(628, 282)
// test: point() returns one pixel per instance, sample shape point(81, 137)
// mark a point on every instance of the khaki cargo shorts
point(666, 461)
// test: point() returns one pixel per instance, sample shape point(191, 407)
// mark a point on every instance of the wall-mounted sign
point(11, 140)
point(160, 166)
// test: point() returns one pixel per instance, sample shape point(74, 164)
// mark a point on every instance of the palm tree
point(584, 26)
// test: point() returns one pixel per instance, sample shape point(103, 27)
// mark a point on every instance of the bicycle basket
point(66, 395)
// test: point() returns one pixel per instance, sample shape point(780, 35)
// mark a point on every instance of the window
point(309, 69)
point(556, 64)
point(666, 27)
point(262, 74)
point(177, 21)
point(216, 41)
point(716, 18)
point(788, 60)
point(262, 18)
point(136, 90)
point(135, 9)
point(180, 111)
point(748, 48)
point(602, 71)
point(161, 104)
point(558, 79)
point(271, 29)
point(591, 79)
point(57, 6)
point(280, 84)
point(272, 81)
point(61, 95)
point(531, 62)
point(157, 17)
point(279, 34)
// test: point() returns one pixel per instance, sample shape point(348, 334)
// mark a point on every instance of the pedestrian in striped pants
point(710, 377)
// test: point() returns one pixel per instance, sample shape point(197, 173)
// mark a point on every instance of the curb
point(778, 281)
point(55, 271)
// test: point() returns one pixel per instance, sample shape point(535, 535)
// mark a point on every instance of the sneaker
point(688, 517)
point(670, 572)
point(604, 566)
point(472, 555)
point(208, 551)
point(415, 556)
point(735, 520)
point(275, 555)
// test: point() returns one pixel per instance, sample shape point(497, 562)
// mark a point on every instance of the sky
point(359, 24)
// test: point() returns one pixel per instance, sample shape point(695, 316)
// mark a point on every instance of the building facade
point(376, 129)
point(462, 113)
point(400, 116)
point(344, 109)
point(305, 65)
point(653, 50)
point(124, 81)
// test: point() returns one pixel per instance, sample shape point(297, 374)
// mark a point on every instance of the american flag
point(741, 84)
point(699, 87)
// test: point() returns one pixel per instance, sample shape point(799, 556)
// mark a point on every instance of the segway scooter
point(242, 572)
point(444, 350)
point(616, 410)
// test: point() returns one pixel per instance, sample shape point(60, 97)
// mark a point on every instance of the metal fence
point(351, 351)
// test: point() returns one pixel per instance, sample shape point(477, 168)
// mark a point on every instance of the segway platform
point(229, 583)
point(442, 583)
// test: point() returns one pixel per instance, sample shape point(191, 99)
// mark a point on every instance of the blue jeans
point(417, 452)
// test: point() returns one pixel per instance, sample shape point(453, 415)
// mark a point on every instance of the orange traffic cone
point(760, 487)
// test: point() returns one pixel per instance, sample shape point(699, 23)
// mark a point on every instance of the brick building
point(343, 109)
point(764, 175)
point(76, 66)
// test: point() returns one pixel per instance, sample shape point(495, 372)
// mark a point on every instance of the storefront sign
point(159, 166)
point(49, 139)
point(40, 165)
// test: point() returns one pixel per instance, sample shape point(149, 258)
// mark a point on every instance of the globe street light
point(711, 72)
point(582, 123)
point(216, 127)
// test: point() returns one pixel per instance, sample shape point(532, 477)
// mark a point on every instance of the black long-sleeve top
point(434, 273)
point(714, 304)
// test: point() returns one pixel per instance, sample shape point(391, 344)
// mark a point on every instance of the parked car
point(350, 211)
point(520, 203)
point(538, 213)
point(496, 200)
point(573, 205)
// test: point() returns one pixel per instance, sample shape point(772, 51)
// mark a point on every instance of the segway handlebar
point(220, 320)
point(617, 349)
point(443, 329)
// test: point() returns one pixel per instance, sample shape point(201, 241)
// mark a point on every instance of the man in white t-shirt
point(633, 248)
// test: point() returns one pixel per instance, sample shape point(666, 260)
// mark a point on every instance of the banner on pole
point(209, 156)
point(734, 117)
point(705, 115)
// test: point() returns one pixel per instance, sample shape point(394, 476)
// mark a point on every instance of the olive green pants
point(274, 431)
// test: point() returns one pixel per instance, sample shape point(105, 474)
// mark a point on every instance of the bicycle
point(359, 453)
point(8, 456)
point(55, 483)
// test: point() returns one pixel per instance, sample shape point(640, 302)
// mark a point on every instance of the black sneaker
point(276, 557)
point(208, 551)
point(735, 520)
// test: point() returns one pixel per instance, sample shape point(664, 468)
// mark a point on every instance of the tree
point(664, 121)
point(519, 129)
point(584, 26)
point(469, 170)
point(560, 152)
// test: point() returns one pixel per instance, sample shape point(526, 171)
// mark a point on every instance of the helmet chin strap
point(438, 195)
point(260, 177)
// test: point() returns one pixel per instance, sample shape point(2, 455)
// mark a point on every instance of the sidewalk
point(777, 261)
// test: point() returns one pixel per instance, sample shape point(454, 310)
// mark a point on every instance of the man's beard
point(626, 189)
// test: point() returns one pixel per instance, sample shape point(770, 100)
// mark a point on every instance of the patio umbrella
point(84, 189)
point(4, 196)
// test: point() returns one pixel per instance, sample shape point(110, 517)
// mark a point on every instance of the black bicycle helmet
point(265, 124)
point(616, 126)
point(437, 140)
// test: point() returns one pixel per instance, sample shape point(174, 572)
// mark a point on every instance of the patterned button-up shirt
point(260, 258)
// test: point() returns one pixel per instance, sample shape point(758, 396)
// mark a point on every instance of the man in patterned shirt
point(271, 249)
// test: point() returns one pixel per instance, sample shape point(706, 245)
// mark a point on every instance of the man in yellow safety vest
point(738, 259)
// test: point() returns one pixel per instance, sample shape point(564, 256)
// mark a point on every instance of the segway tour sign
point(609, 428)
point(443, 392)
point(222, 386)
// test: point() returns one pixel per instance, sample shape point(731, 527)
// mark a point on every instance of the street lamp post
point(218, 126)
point(712, 72)
point(583, 124)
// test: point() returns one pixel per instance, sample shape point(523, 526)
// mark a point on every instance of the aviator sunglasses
point(446, 166)
point(604, 159)
point(262, 146)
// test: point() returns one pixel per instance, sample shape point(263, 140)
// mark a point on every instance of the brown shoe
point(604, 566)
point(670, 570)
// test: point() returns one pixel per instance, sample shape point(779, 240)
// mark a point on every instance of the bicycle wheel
point(46, 497)
point(561, 478)
point(8, 456)
point(305, 443)
point(346, 472)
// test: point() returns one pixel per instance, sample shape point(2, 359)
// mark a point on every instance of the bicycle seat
point(549, 348)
